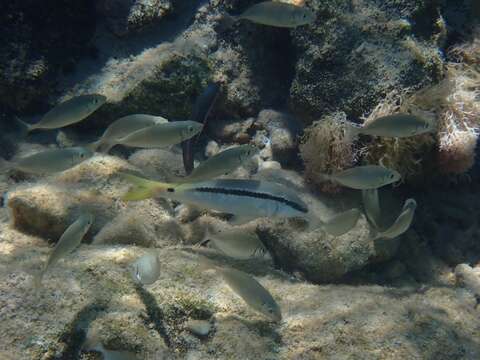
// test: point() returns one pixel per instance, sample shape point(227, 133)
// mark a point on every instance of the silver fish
point(396, 125)
point(371, 206)
point(69, 241)
point(341, 223)
point(365, 177)
point(402, 223)
point(162, 135)
point(246, 199)
point(222, 163)
point(278, 14)
point(249, 289)
point(146, 269)
point(69, 112)
point(49, 161)
point(241, 244)
point(123, 127)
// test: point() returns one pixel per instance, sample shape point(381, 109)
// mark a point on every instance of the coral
point(325, 148)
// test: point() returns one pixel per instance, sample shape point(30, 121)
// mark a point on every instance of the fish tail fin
point(105, 147)
point(313, 222)
point(226, 22)
point(25, 128)
point(37, 280)
point(94, 145)
point(206, 264)
point(142, 188)
point(352, 130)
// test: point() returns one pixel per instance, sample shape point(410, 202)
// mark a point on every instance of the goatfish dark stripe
point(252, 194)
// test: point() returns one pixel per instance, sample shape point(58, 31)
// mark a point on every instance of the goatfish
point(222, 163)
point(201, 110)
point(69, 241)
point(249, 289)
point(123, 127)
point(49, 161)
point(275, 13)
point(396, 125)
point(146, 269)
point(341, 223)
point(68, 112)
point(162, 135)
point(371, 206)
point(245, 199)
point(402, 223)
point(237, 243)
point(365, 177)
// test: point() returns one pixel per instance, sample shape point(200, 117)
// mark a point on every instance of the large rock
point(357, 52)
point(39, 41)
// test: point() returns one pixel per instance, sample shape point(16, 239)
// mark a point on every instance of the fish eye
point(190, 128)
point(392, 176)
point(82, 155)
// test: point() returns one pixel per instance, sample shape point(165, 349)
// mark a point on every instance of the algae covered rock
point(357, 52)
point(124, 17)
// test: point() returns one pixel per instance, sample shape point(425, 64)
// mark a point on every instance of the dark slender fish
point(201, 110)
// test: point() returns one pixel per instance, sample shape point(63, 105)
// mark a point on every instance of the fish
point(222, 163)
point(123, 127)
point(397, 126)
point(249, 289)
point(402, 223)
point(241, 244)
point(162, 135)
point(245, 199)
point(201, 110)
point(49, 161)
point(69, 241)
point(68, 112)
point(146, 269)
point(365, 177)
point(276, 14)
point(341, 223)
point(371, 206)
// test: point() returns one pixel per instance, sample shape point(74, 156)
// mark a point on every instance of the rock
point(47, 207)
point(200, 328)
point(231, 130)
point(470, 278)
point(39, 42)
point(162, 165)
point(321, 257)
point(124, 17)
point(93, 292)
point(356, 53)
point(283, 131)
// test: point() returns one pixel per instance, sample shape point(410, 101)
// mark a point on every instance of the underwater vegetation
point(239, 180)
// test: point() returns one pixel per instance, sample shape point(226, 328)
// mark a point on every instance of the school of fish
point(244, 200)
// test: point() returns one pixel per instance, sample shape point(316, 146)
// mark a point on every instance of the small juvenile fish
point(162, 135)
point(201, 110)
point(342, 223)
point(396, 125)
point(371, 205)
point(277, 14)
point(402, 223)
point(365, 177)
point(146, 269)
point(69, 241)
point(49, 161)
point(222, 163)
point(69, 112)
point(241, 244)
point(249, 289)
point(246, 199)
point(123, 127)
